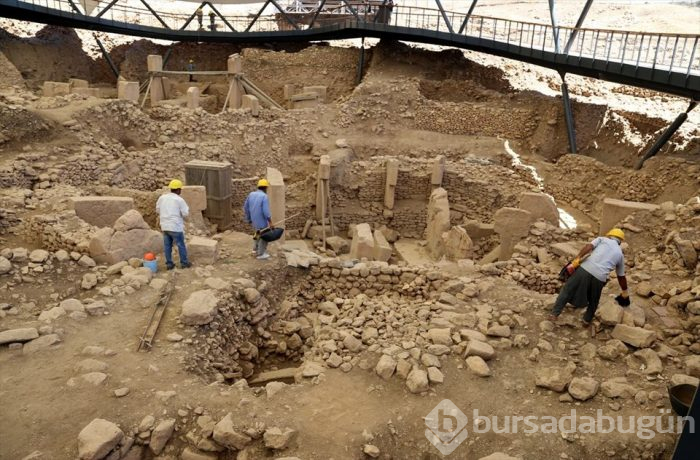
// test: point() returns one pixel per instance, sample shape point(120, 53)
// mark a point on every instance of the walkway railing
point(672, 53)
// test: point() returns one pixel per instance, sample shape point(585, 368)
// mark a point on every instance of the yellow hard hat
point(617, 233)
point(263, 183)
point(175, 184)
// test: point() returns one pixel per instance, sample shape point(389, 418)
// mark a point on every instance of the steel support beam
point(352, 10)
point(75, 8)
point(376, 15)
point(318, 11)
point(106, 8)
point(555, 29)
point(568, 114)
point(670, 131)
point(221, 16)
point(361, 63)
point(444, 16)
point(107, 57)
point(153, 12)
point(286, 16)
point(578, 25)
point(466, 18)
point(255, 18)
point(192, 16)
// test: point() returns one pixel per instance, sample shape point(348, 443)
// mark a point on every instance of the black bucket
point(272, 234)
point(682, 397)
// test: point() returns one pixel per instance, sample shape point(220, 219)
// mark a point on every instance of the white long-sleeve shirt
point(172, 210)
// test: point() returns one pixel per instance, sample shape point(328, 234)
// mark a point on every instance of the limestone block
point(382, 248)
point(195, 196)
point(276, 194)
point(438, 221)
point(541, 206)
point(304, 101)
point(512, 225)
point(616, 210)
point(251, 103)
point(438, 171)
point(234, 64)
point(457, 244)
point(203, 250)
point(157, 91)
point(200, 308)
point(324, 174)
point(78, 83)
point(478, 230)
point(154, 62)
point(91, 92)
point(128, 90)
point(289, 91)
point(319, 90)
point(54, 88)
point(192, 97)
point(101, 211)
point(392, 177)
point(362, 242)
point(130, 237)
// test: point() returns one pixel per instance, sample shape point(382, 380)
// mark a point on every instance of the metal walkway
point(664, 62)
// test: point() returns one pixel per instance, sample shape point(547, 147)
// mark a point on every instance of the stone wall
point(476, 119)
point(329, 278)
point(59, 231)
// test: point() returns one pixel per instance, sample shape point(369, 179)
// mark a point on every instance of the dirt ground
point(499, 128)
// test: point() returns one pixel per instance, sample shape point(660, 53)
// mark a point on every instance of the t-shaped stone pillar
point(275, 193)
point(192, 97)
point(438, 221)
point(437, 172)
point(155, 64)
point(128, 90)
point(392, 177)
point(235, 67)
point(324, 175)
point(512, 225)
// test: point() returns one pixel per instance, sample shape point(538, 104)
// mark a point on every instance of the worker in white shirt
point(173, 209)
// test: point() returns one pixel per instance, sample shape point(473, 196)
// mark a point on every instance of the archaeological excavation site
point(296, 230)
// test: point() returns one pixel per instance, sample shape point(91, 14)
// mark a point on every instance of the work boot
point(169, 266)
point(186, 265)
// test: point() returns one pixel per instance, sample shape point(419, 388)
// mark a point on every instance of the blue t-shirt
point(605, 256)
point(257, 209)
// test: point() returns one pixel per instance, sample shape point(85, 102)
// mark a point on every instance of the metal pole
point(568, 114)
point(361, 64)
point(153, 12)
point(106, 8)
point(187, 23)
point(555, 30)
point(466, 18)
point(352, 10)
point(221, 16)
point(670, 131)
point(318, 11)
point(286, 16)
point(106, 56)
point(255, 18)
point(581, 18)
point(444, 16)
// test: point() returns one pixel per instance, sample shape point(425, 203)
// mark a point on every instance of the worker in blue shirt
point(257, 213)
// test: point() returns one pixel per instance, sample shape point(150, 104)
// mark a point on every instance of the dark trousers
point(581, 290)
point(179, 239)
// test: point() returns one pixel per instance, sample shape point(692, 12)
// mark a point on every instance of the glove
point(567, 271)
point(623, 299)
